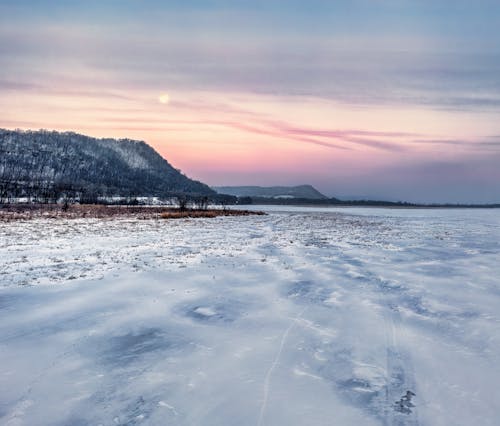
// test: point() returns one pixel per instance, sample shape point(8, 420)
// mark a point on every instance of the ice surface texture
point(301, 317)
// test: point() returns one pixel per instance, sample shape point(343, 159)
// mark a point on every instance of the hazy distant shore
point(366, 203)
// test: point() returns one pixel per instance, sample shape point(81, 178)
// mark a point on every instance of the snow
point(130, 156)
point(314, 316)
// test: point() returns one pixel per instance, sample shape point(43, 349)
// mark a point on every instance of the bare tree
point(201, 203)
point(182, 202)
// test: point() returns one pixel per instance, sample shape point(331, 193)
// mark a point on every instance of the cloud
point(334, 68)
point(347, 136)
point(8, 85)
point(472, 144)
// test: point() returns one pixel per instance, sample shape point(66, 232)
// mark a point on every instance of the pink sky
point(237, 138)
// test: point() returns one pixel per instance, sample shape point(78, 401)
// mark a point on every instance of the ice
point(314, 316)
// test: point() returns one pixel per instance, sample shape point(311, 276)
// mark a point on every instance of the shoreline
point(13, 212)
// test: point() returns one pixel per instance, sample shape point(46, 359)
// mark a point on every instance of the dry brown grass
point(52, 211)
point(206, 213)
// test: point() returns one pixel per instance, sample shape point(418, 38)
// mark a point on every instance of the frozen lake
point(306, 316)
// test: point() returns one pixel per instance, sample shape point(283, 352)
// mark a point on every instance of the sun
point(164, 98)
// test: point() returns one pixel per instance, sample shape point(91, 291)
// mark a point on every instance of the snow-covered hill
point(37, 161)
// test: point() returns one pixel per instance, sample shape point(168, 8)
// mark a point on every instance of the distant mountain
point(284, 192)
point(38, 161)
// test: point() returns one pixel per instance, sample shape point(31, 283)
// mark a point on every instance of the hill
point(43, 163)
point(276, 192)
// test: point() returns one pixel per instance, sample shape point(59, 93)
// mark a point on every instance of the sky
point(385, 99)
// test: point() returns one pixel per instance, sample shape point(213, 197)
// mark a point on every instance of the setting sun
point(164, 98)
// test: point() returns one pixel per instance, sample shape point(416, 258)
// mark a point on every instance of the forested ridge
point(50, 164)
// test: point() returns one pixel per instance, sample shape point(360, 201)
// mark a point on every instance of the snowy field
point(302, 317)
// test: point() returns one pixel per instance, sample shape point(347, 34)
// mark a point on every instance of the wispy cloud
point(302, 66)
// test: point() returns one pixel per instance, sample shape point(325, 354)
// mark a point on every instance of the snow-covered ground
point(302, 317)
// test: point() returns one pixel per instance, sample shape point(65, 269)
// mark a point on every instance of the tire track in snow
point(400, 375)
point(267, 380)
